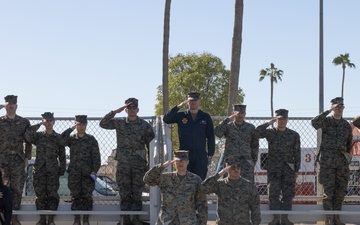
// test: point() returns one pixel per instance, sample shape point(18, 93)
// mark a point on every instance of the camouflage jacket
point(240, 140)
point(284, 147)
point(50, 150)
point(132, 136)
point(336, 138)
point(238, 200)
point(12, 138)
point(84, 153)
point(180, 198)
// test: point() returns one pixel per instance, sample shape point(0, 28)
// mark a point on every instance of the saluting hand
point(74, 126)
point(183, 104)
point(223, 171)
point(232, 115)
point(167, 163)
point(272, 121)
point(122, 108)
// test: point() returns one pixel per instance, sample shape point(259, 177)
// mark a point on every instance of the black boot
point(77, 220)
point(51, 220)
point(86, 220)
point(126, 220)
point(136, 220)
point(42, 220)
point(285, 220)
point(337, 220)
point(276, 220)
point(329, 220)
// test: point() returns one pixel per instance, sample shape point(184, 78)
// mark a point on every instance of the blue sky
point(87, 56)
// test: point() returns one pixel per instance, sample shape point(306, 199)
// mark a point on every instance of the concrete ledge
point(77, 212)
point(304, 213)
point(28, 212)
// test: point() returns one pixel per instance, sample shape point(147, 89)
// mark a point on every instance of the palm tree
point(344, 61)
point(165, 78)
point(274, 75)
point(235, 55)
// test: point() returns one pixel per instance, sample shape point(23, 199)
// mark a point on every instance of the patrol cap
point(181, 155)
point(11, 99)
point(282, 113)
point(132, 100)
point(193, 95)
point(356, 122)
point(239, 108)
point(337, 100)
point(48, 116)
point(233, 160)
point(81, 118)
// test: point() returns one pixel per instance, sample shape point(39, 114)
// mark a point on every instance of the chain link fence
point(306, 183)
point(105, 185)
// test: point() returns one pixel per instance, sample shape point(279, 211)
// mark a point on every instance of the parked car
point(109, 181)
point(101, 187)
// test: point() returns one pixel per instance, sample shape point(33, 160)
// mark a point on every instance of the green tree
point(235, 54)
point(274, 74)
point(204, 73)
point(343, 60)
point(165, 80)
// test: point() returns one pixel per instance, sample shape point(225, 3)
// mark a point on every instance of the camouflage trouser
point(129, 176)
point(14, 173)
point(81, 187)
point(334, 181)
point(46, 186)
point(282, 183)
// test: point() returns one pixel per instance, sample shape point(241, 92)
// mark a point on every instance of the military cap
point(11, 99)
point(356, 122)
point(132, 100)
point(233, 160)
point(337, 100)
point(81, 118)
point(48, 116)
point(239, 108)
point(193, 95)
point(181, 155)
point(282, 113)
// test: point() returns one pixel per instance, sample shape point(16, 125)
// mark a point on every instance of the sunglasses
point(131, 107)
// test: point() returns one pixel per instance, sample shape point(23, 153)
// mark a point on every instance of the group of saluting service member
point(183, 190)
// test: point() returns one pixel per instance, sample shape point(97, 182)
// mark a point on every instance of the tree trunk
point(165, 78)
point(271, 97)
point(343, 82)
point(235, 55)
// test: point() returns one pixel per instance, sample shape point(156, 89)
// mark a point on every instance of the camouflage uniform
point(238, 200)
point(335, 147)
point(12, 154)
point(182, 203)
point(283, 162)
point(47, 169)
point(132, 138)
point(242, 141)
point(84, 160)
